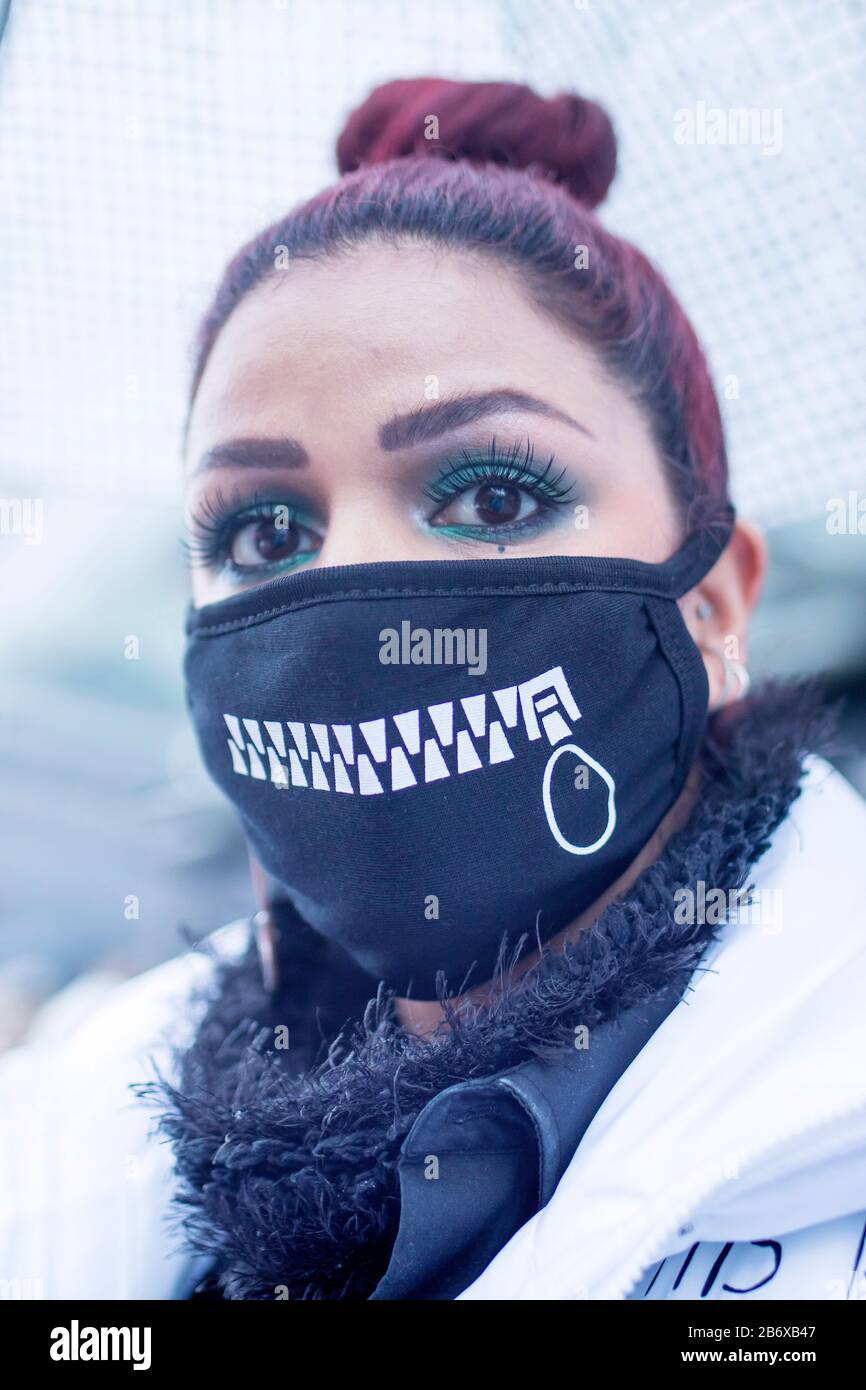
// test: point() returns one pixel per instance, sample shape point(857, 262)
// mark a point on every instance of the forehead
point(377, 329)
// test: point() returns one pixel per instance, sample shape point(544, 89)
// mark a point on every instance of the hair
point(498, 171)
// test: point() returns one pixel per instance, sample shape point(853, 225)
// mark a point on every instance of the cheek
point(203, 587)
point(642, 510)
point(645, 525)
point(630, 518)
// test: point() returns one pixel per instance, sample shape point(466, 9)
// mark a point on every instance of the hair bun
point(565, 138)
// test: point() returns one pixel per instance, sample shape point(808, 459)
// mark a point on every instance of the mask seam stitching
point(676, 652)
point(206, 629)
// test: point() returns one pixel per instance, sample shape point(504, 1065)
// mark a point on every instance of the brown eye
point(497, 502)
point(271, 540)
point(489, 504)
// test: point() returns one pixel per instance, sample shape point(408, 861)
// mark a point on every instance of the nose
point(368, 527)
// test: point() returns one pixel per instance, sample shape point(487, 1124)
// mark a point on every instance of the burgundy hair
point(496, 169)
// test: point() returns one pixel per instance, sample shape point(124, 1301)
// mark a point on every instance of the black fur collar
point(286, 1159)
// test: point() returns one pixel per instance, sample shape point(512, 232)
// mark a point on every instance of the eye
point(248, 539)
point(493, 503)
point(270, 540)
point(500, 488)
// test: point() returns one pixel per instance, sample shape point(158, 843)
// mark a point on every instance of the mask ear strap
point(697, 555)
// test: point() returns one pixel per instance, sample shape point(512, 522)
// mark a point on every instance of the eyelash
point(515, 466)
point(210, 533)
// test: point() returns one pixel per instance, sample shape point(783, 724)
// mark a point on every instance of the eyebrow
point(400, 432)
point(430, 421)
point(254, 453)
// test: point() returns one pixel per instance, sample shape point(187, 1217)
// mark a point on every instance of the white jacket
point(731, 1153)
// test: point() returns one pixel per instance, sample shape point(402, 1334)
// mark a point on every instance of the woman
point(554, 987)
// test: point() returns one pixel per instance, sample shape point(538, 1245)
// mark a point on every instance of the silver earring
point(266, 937)
point(736, 676)
point(704, 608)
point(736, 673)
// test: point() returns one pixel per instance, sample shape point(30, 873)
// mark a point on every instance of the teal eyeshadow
point(260, 511)
point(290, 563)
point(497, 534)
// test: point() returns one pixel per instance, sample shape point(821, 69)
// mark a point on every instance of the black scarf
point(286, 1159)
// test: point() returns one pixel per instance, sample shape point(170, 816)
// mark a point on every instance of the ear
point(717, 611)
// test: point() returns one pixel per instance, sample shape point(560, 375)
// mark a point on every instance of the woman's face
point(408, 403)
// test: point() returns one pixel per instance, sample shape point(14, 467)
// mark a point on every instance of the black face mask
point(431, 754)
